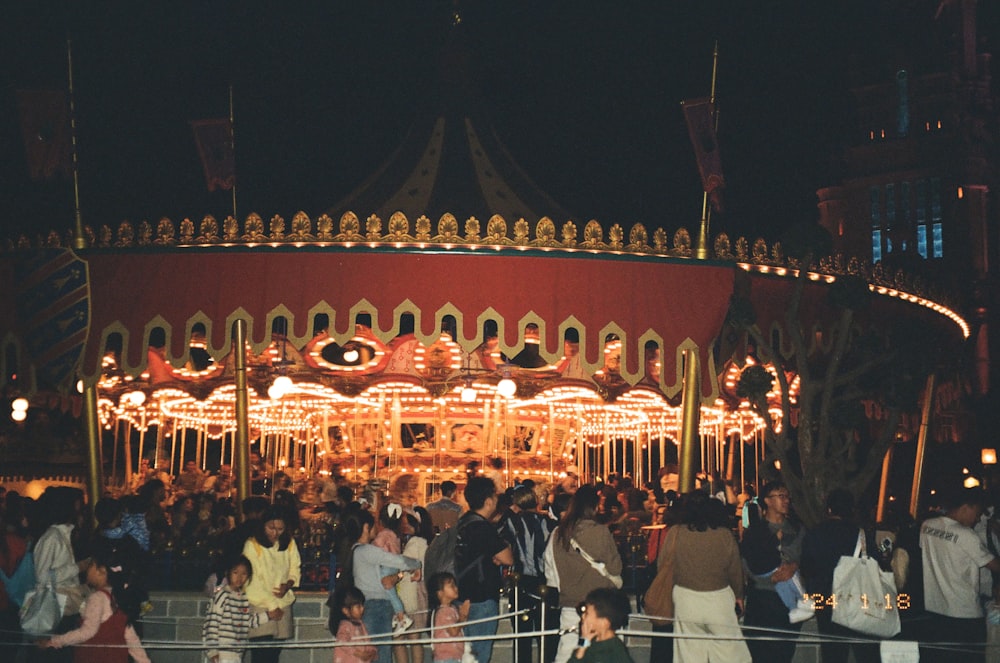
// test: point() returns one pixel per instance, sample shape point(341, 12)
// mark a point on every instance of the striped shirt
point(228, 621)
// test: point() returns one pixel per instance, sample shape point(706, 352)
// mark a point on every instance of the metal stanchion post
point(517, 619)
point(543, 608)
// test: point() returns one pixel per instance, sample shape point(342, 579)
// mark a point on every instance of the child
point(224, 633)
point(445, 615)
point(605, 611)
point(108, 615)
point(389, 519)
point(345, 620)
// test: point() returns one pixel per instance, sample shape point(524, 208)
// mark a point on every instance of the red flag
point(700, 117)
point(215, 147)
point(46, 131)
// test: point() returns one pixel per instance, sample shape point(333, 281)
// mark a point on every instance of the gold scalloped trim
point(398, 233)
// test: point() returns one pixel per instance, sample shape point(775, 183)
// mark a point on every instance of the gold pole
point(128, 458)
point(242, 457)
point(883, 486)
point(95, 480)
point(918, 465)
point(232, 137)
point(79, 240)
point(689, 426)
point(701, 248)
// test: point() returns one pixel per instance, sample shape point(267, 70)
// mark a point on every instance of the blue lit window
point(876, 219)
point(938, 240)
point(922, 240)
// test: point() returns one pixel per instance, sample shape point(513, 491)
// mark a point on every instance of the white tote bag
point(42, 609)
point(865, 595)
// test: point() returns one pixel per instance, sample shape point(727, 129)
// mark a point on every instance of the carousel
point(416, 342)
point(419, 358)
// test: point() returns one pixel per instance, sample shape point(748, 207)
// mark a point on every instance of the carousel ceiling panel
point(678, 302)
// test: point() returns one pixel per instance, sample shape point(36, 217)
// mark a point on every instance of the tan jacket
point(576, 576)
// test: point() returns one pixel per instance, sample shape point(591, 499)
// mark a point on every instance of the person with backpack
point(528, 531)
point(479, 553)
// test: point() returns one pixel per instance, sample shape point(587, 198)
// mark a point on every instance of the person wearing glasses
point(774, 541)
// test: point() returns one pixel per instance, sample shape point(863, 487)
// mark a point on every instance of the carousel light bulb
point(468, 394)
point(136, 397)
point(20, 404)
point(79, 386)
point(507, 388)
point(351, 355)
point(283, 384)
point(18, 415)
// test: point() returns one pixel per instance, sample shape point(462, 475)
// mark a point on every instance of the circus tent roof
point(452, 160)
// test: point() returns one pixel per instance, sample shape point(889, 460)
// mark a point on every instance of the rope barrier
point(749, 633)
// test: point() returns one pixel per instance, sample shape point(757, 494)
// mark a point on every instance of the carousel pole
point(142, 435)
point(743, 467)
point(180, 459)
point(128, 455)
point(114, 456)
point(883, 486)
point(552, 447)
point(918, 466)
point(733, 440)
point(689, 426)
point(95, 480)
point(241, 461)
point(160, 432)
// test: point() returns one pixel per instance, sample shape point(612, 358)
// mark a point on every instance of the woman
point(418, 531)
point(708, 583)
point(56, 563)
point(579, 531)
point(274, 556)
point(772, 542)
point(366, 561)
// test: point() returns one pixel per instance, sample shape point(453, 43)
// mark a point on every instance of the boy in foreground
point(604, 612)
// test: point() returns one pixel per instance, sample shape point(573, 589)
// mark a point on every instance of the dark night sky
point(584, 94)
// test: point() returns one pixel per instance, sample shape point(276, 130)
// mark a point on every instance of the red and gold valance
point(677, 304)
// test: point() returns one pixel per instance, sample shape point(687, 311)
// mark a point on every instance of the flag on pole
point(214, 139)
point(700, 117)
point(53, 305)
point(46, 131)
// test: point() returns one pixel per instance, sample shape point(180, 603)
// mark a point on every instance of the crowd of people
point(746, 572)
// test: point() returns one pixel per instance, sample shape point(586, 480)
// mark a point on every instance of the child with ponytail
point(108, 616)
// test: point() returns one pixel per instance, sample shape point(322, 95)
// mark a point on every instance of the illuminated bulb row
point(877, 289)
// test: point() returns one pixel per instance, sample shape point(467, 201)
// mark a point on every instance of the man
point(822, 548)
point(771, 549)
point(528, 531)
point(260, 475)
point(445, 511)
point(953, 554)
point(190, 480)
point(220, 484)
point(479, 554)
